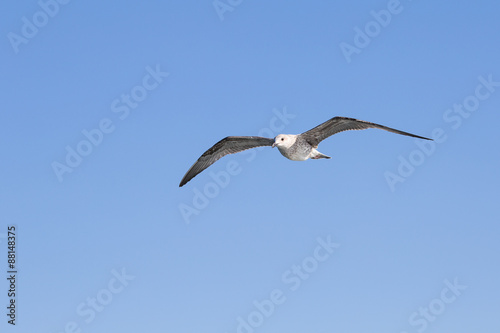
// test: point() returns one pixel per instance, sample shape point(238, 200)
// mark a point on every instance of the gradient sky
point(107, 105)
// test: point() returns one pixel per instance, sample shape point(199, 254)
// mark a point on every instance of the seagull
point(296, 147)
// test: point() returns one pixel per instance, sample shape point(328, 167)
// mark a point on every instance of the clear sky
point(107, 105)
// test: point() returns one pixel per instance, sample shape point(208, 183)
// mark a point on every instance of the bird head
point(283, 141)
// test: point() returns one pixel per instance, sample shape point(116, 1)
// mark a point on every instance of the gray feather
point(226, 146)
point(340, 124)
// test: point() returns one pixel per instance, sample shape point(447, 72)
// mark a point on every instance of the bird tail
point(317, 155)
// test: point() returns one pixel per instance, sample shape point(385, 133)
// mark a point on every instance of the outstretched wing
point(340, 124)
point(229, 145)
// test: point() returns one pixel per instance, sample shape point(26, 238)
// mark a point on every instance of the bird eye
point(282, 139)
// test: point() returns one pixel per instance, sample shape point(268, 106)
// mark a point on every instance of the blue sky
point(107, 105)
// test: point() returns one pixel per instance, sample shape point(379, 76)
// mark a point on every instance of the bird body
point(296, 147)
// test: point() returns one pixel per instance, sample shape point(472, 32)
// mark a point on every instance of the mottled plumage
point(298, 147)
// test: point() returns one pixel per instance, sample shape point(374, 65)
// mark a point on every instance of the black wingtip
point(418, 136)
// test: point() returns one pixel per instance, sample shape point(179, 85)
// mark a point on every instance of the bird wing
point(226, 146)
point(339, 124)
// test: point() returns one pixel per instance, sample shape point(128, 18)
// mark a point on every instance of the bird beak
point(274, 145)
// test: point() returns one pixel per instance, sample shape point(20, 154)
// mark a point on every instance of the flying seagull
point(296, 147)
